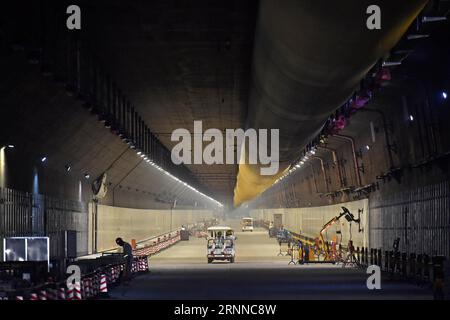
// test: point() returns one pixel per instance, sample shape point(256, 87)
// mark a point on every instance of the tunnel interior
point(353, 118)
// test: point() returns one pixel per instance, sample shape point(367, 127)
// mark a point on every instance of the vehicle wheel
point(232, 260)
point(209, 260)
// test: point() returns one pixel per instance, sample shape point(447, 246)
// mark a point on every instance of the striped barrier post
point(146, 268)
point(103, 285)
point(77, 291)
point(34, 296)
point(19, 297)
point(43, 295)
point(82, 290)
point(137, 265)
point(141, 264)
point(70, 292)
point(114, 274)
point(62, 293)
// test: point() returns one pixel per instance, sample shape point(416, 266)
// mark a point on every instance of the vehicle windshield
point(247, 222)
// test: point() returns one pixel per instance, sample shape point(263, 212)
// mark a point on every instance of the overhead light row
point(44, 159)
point(299, 164)
point(68, 168)
point(154, 165)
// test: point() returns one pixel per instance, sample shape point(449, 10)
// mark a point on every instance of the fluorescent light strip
point(296, 166)
point(139, 153)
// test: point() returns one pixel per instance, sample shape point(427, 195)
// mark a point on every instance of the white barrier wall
point(139, 224)
point(309, 221)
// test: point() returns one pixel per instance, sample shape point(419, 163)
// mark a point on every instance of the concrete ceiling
point(179, 61)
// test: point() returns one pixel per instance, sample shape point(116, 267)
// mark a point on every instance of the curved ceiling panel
point(309, 57)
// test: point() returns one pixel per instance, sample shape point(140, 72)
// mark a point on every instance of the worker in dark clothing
point(306, 253)
point(128, 255)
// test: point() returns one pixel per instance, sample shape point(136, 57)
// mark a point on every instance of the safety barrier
point(96, 283)
point(98, 275)
point(91, 286)
point(420, 269)
point(158, 245)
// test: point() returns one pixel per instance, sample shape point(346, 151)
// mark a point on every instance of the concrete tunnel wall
point(138, 224)
point(309, 221)
point(55, 125)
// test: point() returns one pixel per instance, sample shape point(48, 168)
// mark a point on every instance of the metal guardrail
point(92, 269)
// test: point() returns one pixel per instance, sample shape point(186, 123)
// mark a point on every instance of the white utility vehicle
point(220, 244)
point(247, 224)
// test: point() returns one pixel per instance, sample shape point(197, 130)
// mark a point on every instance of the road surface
point(181, 272)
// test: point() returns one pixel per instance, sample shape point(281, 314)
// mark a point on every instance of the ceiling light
point(139, 153)
point(426, 19)
point(444, 94)
point(391, 63)
point(11, 146)
point(68, 168)
point(87, 176)
point(43, 159)
point(411, 118)
point(417, 36)
point(367, 147)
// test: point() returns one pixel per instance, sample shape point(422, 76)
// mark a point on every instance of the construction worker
point(128, 255)
point(300, 252)
point(306, 253)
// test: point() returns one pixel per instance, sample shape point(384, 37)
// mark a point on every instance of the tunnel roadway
point(182, 273)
